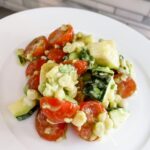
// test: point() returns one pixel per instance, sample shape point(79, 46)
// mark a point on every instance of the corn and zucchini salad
point(74, 79)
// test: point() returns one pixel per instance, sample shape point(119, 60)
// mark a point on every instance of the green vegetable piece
point(20, 107)
point(105, 53)
point(73, 56)
point(98, 69)
point(21, 57)
point(84, 55)
point(99, 83)
point(118, 116)
point(96, 88)
point(27, 115)
point(25, 89)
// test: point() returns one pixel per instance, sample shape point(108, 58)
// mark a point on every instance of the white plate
point(18, 29)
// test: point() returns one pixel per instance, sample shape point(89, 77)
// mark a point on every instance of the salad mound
point(74, 79)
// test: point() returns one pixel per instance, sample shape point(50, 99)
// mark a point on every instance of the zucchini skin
point(97, 85)
point(27, 115)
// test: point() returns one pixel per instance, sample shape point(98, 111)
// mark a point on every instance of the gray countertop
point(144, 30)
point(5, 12)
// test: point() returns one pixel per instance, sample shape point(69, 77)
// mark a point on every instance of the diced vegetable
point(28, 114)
point(72, 47)
point(118, 116)
point(84, 55)
point(87, 39)
point(96, 88)
point(99, 129)
point(21, 56)
point(22, 107)
point(105, 53)
point(79, 119)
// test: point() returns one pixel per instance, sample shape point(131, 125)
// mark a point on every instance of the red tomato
point(34, 65)
point(57, 110)
point(33, 82)
point(91, 109)
point(37, 46)
point(61, 36)
point(50, 132)
point(86, 132)
point(56, 54)
point(81, 66)
point(126, 88)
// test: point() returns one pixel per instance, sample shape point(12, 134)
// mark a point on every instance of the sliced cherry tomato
point(50, 132)
point(56, 55)
point(33, 82)
point(57, 110)
point(86, 132)
point(92, 109)
point(61, 35)
point(34, 65)
point(37, 47)
point(126, 88)
point(81, 66)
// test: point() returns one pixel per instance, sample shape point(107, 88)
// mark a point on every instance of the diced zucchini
point(105, 53)
point(87, 39)
point(97, 88)
point(28, 114)
point(98, 69)
point(21, 57)
point(32, 94)
point(84, 55)
point(73, 56)
point(21, 107)
point(118, 116)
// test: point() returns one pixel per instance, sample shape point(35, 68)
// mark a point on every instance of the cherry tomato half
point(57, 110)
point(56, 55)
point(34, 65)
point(86, 132)
point(37, 47)
point(61, 36)
point(33, 81)
point(126, 88)
point(50, 132)
point(91, 109)
point(80, 65)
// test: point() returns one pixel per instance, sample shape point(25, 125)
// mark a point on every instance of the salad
point(74, 79)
